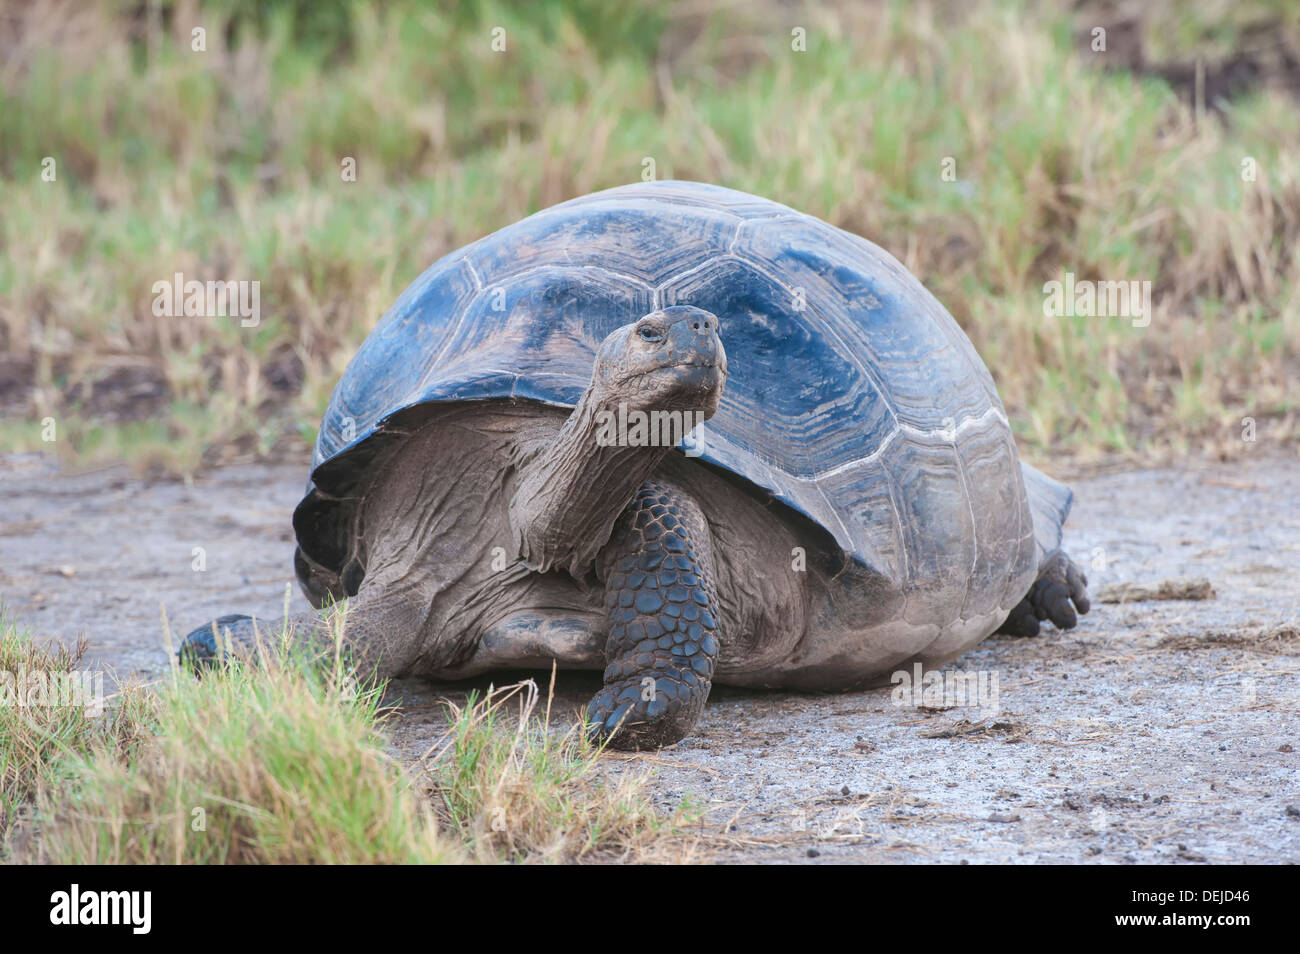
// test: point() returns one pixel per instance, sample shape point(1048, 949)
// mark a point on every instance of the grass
point(289, 763)
point(39, 743)
point(225, 164)
point(539, 799)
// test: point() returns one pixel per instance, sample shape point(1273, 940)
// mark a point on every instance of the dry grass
point(1279, 640)
point(40, 734)
point(225, 165)
point(1179, 588)
point(515, 789)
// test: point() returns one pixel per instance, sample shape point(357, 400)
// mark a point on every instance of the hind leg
point(380, 637)
point(1060, 590)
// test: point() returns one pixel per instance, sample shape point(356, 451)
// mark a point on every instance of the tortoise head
point(670, 360)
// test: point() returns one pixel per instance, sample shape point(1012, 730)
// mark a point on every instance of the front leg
point(661, 608)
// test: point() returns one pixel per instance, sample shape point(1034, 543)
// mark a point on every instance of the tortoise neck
point(570, 493)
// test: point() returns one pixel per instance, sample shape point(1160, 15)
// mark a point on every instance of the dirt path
point(1156, 731)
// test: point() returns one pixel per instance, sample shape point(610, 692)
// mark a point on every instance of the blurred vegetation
point(225, 164)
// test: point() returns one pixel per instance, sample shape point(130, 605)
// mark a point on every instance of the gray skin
point(533, 541)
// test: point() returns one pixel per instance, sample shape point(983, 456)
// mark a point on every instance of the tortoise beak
point(693, 341)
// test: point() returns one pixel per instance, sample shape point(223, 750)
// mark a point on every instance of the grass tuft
point(287, 762)
point(516, 790)
point(43, 737)
point(275, 764)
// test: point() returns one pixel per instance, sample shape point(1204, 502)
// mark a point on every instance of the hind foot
point(233, 635)
point(381, 636)
point(1060, 590)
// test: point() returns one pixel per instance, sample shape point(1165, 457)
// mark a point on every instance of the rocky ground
point(1160, 730)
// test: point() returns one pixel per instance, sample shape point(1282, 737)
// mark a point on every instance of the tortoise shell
point(853, 396)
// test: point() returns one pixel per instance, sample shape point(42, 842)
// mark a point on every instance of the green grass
point(282, 764)
point(289, 762)
point(225, 164)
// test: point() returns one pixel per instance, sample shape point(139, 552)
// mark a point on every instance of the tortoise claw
point(622, 717)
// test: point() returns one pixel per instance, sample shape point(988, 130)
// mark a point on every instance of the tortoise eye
point(650, 333)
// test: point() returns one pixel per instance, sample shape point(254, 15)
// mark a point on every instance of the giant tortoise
point(507, 475)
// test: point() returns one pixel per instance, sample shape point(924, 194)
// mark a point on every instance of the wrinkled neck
point(569, 494)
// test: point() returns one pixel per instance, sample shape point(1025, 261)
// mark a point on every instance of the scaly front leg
point(661, 605)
